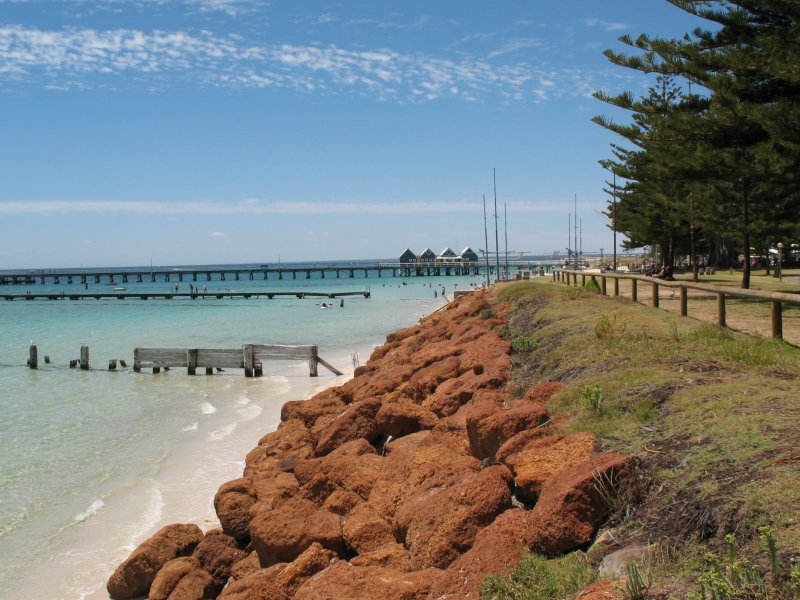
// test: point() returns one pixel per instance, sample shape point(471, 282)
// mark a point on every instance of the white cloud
point(605, 25)
point(217, 234)
point(258, 207)
point(85, 58)
point(516, 45)
point(231, 7)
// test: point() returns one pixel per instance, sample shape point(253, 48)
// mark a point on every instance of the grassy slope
point(714, 418)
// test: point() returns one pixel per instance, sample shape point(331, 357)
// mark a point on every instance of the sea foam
point(96, 506)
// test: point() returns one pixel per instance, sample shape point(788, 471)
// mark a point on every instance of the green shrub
point(635, 585)
point(604, 326)
point(729, 577)
point(592, 286)
point(524, 343)
point(592, 398)
point(486, 313)
point(537, 578)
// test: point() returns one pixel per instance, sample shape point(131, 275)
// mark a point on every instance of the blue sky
point(214, 131)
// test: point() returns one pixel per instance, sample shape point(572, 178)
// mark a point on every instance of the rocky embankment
point(416, 479)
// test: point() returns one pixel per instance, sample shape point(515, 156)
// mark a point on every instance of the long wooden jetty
point(263, 272)
point(173, 295)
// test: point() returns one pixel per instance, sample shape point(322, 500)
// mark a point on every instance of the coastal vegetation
point(710, 417)
point(709, 160)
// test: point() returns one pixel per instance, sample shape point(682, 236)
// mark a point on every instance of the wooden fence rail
point(777, 299)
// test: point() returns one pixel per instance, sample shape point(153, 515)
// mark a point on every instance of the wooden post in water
point(777, 320)
point(634, 294)
point(112, 364)
point(249, 360)
point(684, 302)
point(33, 361)
point(655, 294)
point(84, 357)
point(721, 309)
point(313, 360)
point(191, 356)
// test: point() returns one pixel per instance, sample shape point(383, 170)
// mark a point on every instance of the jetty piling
point(84, 361)
point(33, 360)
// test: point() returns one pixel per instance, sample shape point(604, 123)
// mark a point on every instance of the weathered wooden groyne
point(249, 357)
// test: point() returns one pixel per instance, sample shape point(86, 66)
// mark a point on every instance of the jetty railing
point(249, 357)
point(776, 299)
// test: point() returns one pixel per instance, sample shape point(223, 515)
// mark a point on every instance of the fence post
point(583, 280)
point(684, 302)
point(777, 320)
point(721, 309)
point(634, 293)
point(603, 284)
point(616, 286)
point(655, 294)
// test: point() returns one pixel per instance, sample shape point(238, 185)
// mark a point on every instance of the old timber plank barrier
point(776, 299)
point(249, 357)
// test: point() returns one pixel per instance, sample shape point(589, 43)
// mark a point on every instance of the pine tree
point(750, 125)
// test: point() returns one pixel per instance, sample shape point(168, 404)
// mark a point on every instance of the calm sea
point(93, 462)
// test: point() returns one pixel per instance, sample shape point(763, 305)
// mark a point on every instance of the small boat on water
point(119, 289)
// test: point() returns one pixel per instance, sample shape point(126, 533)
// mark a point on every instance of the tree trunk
point(692, 239)
point(745, 238)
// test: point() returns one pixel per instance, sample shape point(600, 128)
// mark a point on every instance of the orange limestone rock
point(134, 577)
point(399, 484)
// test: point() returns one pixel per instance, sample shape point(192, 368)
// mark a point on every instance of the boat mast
point(496, 238)
point(486, 241)
point(505, 228)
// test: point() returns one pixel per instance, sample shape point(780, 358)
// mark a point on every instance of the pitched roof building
point(468, 255)
point(408, 257)
point(427, 256)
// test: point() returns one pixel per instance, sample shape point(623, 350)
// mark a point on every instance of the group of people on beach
point(663, 272)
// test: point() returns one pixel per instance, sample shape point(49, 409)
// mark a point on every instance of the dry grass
point(713, 416)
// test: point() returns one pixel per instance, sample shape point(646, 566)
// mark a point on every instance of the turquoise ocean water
point(92, 463)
